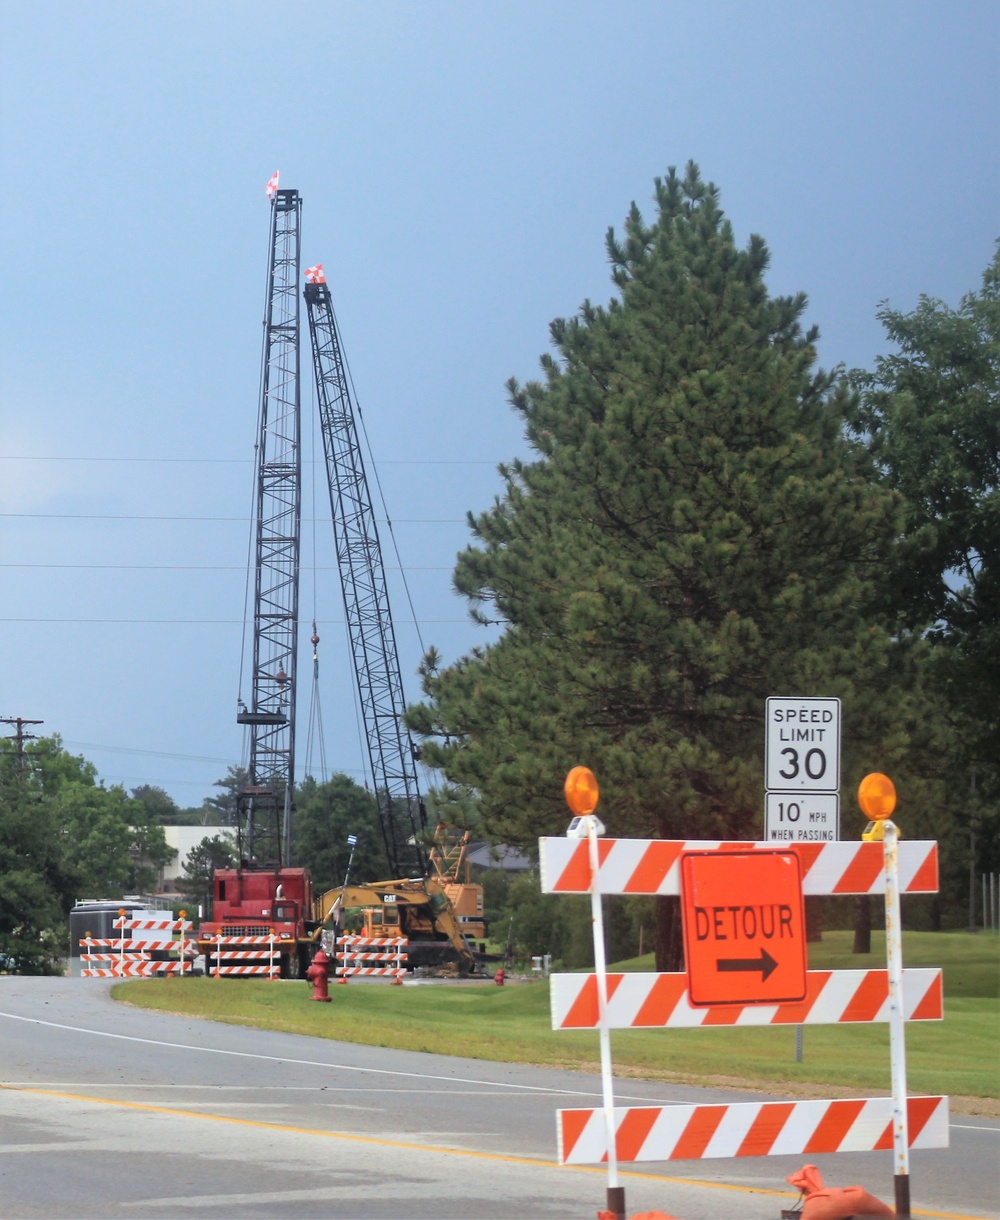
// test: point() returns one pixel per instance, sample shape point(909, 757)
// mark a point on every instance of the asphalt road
point(106, 1111)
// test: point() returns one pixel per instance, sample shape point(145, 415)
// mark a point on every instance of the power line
point(184, 567)
point(230, 520)
point(36, 457)
point(93, 745)
point(194, 622)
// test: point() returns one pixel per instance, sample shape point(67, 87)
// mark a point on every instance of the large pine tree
point(697, 533)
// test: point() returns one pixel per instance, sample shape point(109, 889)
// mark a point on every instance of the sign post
point(877, 798)
point(582, 794)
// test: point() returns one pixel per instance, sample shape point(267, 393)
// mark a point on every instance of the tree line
point(65, 836)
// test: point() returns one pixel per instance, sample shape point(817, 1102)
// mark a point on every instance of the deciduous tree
point(930, 416)
point(197, 878)
point(64, 836)
point(325, 815)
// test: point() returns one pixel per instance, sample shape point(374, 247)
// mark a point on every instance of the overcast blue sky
point(459, 164)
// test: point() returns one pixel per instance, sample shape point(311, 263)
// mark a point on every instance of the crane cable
point(371, 465)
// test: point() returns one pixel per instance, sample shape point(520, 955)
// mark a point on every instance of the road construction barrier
point(243, 955)
point(354, 953)
point(651, 866)
point(130, 967)
point(745, 949)
point(661, 1001)
point(774, 1128)
point(134, 957)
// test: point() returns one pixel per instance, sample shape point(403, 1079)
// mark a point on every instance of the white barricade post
point(877, 797)
point(763, 982)
point(582, 795)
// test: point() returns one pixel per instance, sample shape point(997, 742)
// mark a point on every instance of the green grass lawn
point(959, 1056)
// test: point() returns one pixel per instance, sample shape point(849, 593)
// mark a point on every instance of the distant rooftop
point(510, 859)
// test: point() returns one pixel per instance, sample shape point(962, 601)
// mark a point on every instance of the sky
point(460, 165)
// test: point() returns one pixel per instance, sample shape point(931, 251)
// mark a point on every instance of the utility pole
point(20, 737)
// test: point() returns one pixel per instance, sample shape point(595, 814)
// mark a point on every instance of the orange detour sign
point(744, 927)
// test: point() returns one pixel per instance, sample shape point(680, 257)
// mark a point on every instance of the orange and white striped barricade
point(153, 934)
point(149, 935)
point(245, 956)
point(605, 1001)
point(133, 958)
point(661, 1001)
point(356, 955)
point(106, 965)
point(130, 967)
point(773, 1128)
point(652, 866)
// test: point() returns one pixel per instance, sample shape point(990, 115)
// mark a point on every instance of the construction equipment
point(419, 909)
point(441, 915)
point(434, 909)
point(263, 896)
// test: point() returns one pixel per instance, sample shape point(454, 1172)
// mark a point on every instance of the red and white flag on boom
point(314, 275)
point(272, 186)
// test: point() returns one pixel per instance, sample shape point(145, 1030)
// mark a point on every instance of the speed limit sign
point(803, 745)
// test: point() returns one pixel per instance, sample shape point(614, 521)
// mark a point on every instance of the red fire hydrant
point(319, 974)
point(499, 977)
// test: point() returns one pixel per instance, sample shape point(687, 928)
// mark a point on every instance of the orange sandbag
point(840, 1202)
point(808, 1179)
point(835, 1203)
point(637, 1216)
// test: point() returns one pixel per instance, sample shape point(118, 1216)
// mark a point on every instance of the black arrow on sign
point(733, 965)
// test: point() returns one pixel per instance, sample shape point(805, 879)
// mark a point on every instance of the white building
point(183, 839)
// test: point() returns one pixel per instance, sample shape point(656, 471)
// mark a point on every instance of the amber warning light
point(877, 796)
point(581, 791)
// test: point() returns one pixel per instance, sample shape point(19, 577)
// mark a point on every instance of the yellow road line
point(412, 1147)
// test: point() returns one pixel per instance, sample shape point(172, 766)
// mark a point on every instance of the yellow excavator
point(422, 910)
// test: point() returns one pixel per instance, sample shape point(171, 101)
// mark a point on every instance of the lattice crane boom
point(265, 805)
point(366, 602)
